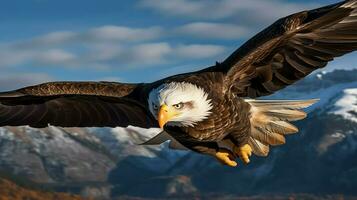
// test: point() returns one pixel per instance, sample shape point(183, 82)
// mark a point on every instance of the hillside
point(11, 191)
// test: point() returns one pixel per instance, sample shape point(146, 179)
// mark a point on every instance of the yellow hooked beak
point(165, 114)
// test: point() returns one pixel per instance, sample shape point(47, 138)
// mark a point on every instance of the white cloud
point(103, 52)
point(90, 49)
point(174, 7)
point(120, 33)
point(105, 57)
point(213, 30)
point(145, 54)
point(57, 37)
point(47, 40)
point(249, 10)
point(198, 51)
point(39, 57)
point(108, 47)
point(12, 57)
point(54, 56)
point(165, 53)
point(151, 52)
point(102, 34)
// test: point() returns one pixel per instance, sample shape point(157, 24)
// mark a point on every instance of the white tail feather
point(281, 104)
point(269, 122)
point(267, 137)
point(258, 148)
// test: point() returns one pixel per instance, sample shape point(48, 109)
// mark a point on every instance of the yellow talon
point(226, 158)
point(244, 152)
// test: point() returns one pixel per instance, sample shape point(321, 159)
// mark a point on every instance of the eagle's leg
point(226, 157)
point(241, 151)
point(244, 152)
point(240, 144)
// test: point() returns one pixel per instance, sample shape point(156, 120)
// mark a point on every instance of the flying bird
point(213, 111)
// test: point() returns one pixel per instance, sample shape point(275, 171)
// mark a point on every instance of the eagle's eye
point(178, 106)
point(155, 107)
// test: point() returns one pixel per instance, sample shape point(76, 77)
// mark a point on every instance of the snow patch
point(319, 76)
point(326, 95)
point(346, 106)
point(134, 135)
point(338, 135)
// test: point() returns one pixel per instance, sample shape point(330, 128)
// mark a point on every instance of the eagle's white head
point(179, 104)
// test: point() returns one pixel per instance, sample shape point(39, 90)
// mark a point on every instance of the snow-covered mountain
point(346, 105)
point(106, 162)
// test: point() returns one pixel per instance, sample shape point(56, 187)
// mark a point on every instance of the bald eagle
point(211, 111)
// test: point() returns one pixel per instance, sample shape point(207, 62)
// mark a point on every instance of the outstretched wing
point(290, 49)
point(76, 104)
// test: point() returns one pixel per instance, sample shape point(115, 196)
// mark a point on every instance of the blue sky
point(129, 40)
